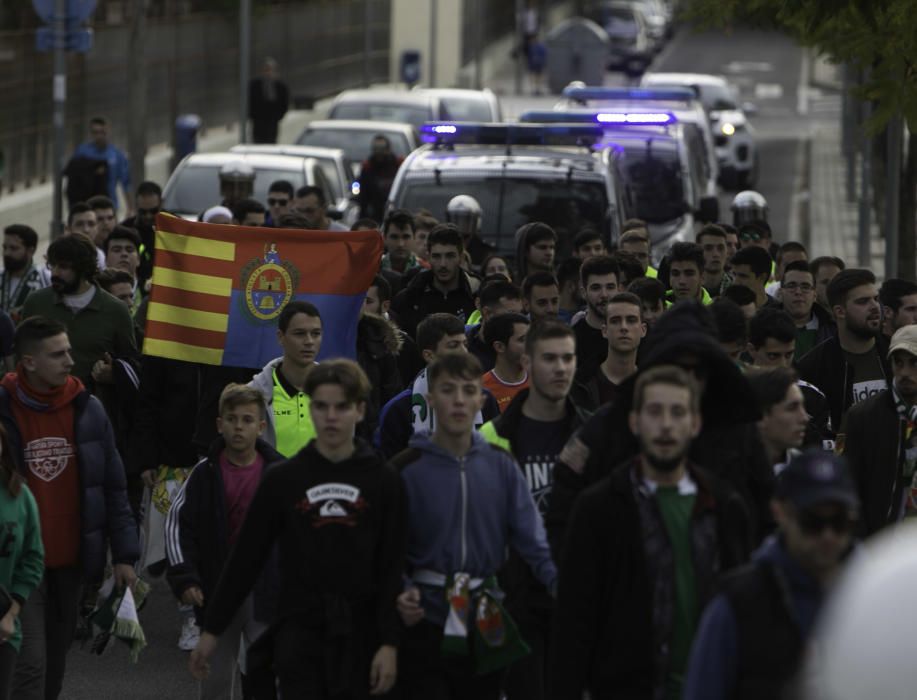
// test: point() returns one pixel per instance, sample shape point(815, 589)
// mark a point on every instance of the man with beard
point(20, 277)
point(853, 365)
point(666, 529)
point(880, 441)
point(598, 283)
point(899, 305)
point(98, 325)
point(376, 176)
point(534, 428)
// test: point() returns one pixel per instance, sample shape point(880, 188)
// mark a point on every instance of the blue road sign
point(78, 11)
point(76, 40)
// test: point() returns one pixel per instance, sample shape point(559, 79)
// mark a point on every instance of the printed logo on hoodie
point(47, 457)
point(333, 504)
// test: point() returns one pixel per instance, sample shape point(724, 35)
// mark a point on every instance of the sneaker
point(190, 633)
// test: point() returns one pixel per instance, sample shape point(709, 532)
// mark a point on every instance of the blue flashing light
point(444, 129)
point(606, 118)
point(511, 134)
point(635, 118)
point(672, 94)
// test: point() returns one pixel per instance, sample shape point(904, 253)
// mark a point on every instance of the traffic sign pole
point(59, 96)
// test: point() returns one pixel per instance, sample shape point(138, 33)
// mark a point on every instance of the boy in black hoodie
point(336, 514)
point(206, 516)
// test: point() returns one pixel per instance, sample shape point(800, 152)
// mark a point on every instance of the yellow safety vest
point(293, 427)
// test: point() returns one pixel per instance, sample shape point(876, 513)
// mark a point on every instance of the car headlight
point(355, 188)
point(728, 129)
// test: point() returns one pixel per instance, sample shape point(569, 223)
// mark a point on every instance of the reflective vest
point(292, 421)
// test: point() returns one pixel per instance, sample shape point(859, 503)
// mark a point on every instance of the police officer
point(465, 212)
point(237, 182)
point(748, 207)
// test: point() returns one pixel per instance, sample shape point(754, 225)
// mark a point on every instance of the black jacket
point(197, 535)
point(872, 436)
point(826, 367)
point(605, 628)
point(485, 353)
point(378, 345)
point(420, 299)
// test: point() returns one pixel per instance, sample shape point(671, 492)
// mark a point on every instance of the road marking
point(748, 67)
point(768, 91)
point(802, 88)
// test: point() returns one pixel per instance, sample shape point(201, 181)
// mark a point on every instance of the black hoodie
point(728, 446)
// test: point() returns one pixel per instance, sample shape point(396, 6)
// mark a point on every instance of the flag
point(218, 289)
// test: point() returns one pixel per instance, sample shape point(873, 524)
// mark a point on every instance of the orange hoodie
point(45, 421)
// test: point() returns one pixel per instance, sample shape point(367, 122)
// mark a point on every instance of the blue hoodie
point(464, 513)
point(713, 668)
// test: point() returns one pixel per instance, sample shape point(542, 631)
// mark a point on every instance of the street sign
point(78, 11)
point(76, 40)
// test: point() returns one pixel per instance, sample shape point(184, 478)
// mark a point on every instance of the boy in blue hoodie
point(468, 501)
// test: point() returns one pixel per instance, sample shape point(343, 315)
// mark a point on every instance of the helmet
point(237, 182)
point(748, 206)
point(237, 171)
point(465, 212)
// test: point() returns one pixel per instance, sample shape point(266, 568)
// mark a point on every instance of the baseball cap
point(817, 477)
point(905, 338)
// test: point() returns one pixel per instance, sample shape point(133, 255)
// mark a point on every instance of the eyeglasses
point(750, 236)
point(277, 202)
point(798, 287)
point(813, 524)
point(148, 212)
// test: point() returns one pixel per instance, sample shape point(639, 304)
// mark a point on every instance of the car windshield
point(717, 97)
point(508, 203)
point(464, 109)
point(383, 112)
point(197, 187)
point(616, 21)
point(356, 143)
point(652, 170)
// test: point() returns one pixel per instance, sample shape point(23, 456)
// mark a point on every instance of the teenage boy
point(497, 297)
point(468, 502)
point(282, 382)
point(588, 243)
point(398, 234)
point(279, 201)
point(599, 282)
point(409, 412)
point(712, 240)
point(783, 414)
point(571, 301)
point(825, 269)
point(637, 243)
point(813, 322)
point(536, 244)
point(205, 519)
point(337, 503)
point(666, 529)
point(541, 296)
point(686, 267)
point(623, 330)
point(506, 333)
point(534, 429)
point(751, 267)
point(787, 253)
point(651, 293)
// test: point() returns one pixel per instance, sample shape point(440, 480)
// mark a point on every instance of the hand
point(8, 623)
point(409, 607)
point(384, 670)
point(574, 455)
point(193, 596)
point(198, 664)
point(124, 575)
point(101, 370)
point(148, 477)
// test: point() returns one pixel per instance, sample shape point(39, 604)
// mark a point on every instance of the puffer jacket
point(106, 517)
point(378, 344)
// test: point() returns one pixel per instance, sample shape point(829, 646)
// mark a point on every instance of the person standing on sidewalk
point(64, 446)
point(268, 101)
point(100, 148)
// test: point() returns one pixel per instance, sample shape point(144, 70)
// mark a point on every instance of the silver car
point(355, 137)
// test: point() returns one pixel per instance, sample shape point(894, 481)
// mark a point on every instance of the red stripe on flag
point(190, 300)
point(195, 263)
point(183, 334)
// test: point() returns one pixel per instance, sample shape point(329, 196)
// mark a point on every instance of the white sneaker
point(190, 634)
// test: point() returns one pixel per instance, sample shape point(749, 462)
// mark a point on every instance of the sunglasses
point(277, 202)
point(814, 524)
point(749, 236)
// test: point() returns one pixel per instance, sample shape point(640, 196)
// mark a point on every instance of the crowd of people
point(536, 478)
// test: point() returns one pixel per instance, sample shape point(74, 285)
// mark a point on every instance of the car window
point(463, 109)
point(384, 112)
point(197, 187)
point(717, 97)
point(652, 170)
point(330, 171)
point(355, 143)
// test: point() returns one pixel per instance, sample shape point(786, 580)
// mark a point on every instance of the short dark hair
point(385, 289)
point(293, 308)
point(568, 271)
point(284, 186)
point(771, 323)
point(728, 228)
point(598, 265)
point(893, 290)
point(111, 276)
point(758, 259)
point(670, 375)
point(365, 224)
point(346, 374)
point(769, 386)
point(731, 326)
point(148, 187)
point(650, 290)
point(78, 208)
point(818, 263)
point(627, 298)
point(631, 224)
point(492, 292)
point(586, 235)
point(307, 190)
point(742, 296)
point(711, 230)
point(845, 282)
point(401, 218)
point(292, 219)
point(99, 202)
point(791, 247)
point(34, 330)
point(629, 266)
point(77, 250)
point(126, 233)
point(548, 329)
point(435, 327)
point(463, 365)
point(637, 235)
point(685, 251)
point(499, 329)
point(101, 121)
point(24, 233)
point(798, 266)
point(538, 279)
point(445, 234)
point(247, 206)
point(535, 232)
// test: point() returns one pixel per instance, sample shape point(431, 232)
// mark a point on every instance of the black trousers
point(529, 677)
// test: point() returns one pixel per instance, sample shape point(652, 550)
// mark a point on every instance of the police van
point(661, 171)
point(518, 173)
